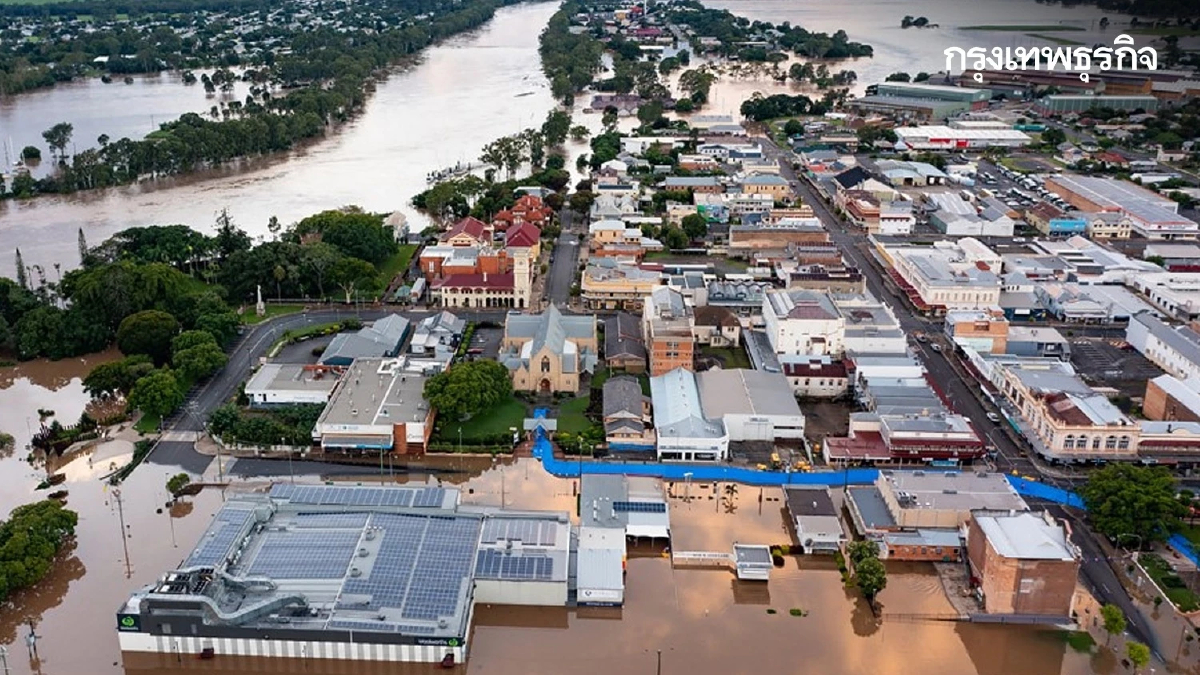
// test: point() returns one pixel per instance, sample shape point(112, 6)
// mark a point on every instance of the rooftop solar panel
point(222, 536)
point(495, 564)
point(639, 507)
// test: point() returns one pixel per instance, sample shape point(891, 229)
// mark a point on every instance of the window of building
point(1123, 443)
point(1069, 442)
point(1110, 443)
point(545, 364)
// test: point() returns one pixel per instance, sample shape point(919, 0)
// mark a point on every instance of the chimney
point(485, 277)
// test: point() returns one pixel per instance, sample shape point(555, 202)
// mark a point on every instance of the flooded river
point(463, 94)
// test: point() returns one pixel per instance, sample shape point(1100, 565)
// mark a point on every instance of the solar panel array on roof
point(305, 555)
point(529, 532)
point(639, 507)
point(421, 566)
point(495, 564)
point(442, 565)
point(223, 534)
point(339, 521)
point(381, 626)
point(422, 497)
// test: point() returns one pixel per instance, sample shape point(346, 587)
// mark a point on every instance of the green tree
point(29, 542)
point(793, 127)
point(921, 77)
point(695, 226)
point(31, 153)
point(581, 201)
point(199, 361)
point(319, 257)
point(22, 275)
point(157, 394)
point(192, 338)
point(353, 232)
point(83, 247)
point(354, 276)
point(579, 132)
point(1138, 654)
point(58, 137)
point(150, 333)
point(898, 77)
point(176, 483)
point(1114, 620)
point(673, 237)
point(871, 577)
point(1128, 499)
point(117, 377)
point(1052, 136)
point(556, 127)
point(859, 551)
point(649, 112)
point(468, 389)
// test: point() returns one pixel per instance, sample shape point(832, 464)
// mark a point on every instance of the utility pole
point(659, 670)
point(124, 537)
point(4, 659)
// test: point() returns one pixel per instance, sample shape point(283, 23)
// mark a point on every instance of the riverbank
point(378, 160)
point(340, 76)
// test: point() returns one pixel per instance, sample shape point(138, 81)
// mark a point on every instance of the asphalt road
point(566, 262)
point(1098, 576)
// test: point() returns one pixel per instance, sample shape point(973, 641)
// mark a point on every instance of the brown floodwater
point(702, 620)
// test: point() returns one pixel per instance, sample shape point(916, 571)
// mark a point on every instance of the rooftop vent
point(355, 572)
point(362, 553)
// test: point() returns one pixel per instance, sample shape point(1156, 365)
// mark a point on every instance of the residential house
point(469, 231)
point(624, 346)
point(716, 326)
point(627, 419)
point(548, 352)
point(437, 334)
point(527, 209)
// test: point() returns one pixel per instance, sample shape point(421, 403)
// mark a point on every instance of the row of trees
point(291, 425)
point(759, 107)
point(732, 31)
point(570, 60)
point(328, 74)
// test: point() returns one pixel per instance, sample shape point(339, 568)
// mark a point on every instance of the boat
point(524, 93)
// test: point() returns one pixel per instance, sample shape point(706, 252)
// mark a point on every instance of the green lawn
point(731, 357)
point(251, 317)
point(1079, 640)
point(571, 418)
point(498, 420)
point(148, 424)
point(1172, 585)
point(1019, 28)
point(397, 263)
